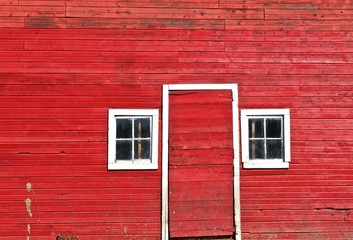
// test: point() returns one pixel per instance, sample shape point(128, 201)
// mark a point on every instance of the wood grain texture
point(210, 14)
point(200, 187)
point(64, 63)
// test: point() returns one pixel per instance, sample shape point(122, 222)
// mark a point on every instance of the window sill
point(132, 166)
point(265, 164)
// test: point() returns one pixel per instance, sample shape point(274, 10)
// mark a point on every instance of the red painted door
point(200, 164)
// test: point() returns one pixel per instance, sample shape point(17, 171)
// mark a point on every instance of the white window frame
point(114, 164)
point(246, 114)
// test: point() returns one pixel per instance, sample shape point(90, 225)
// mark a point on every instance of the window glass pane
point(123, 128)
point(256, 149)
point(274, 149)
point(274, 128)
point(123, 150)
point(142, 128)
point(142, 149)
point(256, 128)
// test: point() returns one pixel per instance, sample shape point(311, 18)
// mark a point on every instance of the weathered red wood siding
point(54, 157)
point(64, 63)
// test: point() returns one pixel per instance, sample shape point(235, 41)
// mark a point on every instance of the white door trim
point(165, 144)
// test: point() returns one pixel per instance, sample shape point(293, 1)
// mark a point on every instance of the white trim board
point(165, 144)
point(113, 163)
point(283, 162)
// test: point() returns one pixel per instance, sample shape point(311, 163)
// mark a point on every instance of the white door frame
point(165, 145)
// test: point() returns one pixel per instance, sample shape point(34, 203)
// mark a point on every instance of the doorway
point(200, 168)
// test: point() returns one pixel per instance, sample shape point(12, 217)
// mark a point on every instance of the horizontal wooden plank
point(83, 99)
point(221, 234)
point(12, 22)
point(54, 174)
point(312, 189)
point(289, 25)
point(274, 80)
point(65, 113)
point(180, 35)
point(294, 218)
point(216, 156)
point(291, 178)
point(266, 57)
point(91, 34)
point(165, 68)
point(102, 183)
point(66, 90)
point(191, 211)
point(34, 11)
point(283, 47)
point(218, 109)
point(284, 102)
point(340, 236)
point(310, 195)
point(82, 78)
point(200, 140)
point(87, 205)
point(30, 3)
point(89, 57)
point(201, 228)
point(314, 124)
point(295, 235)
point(304, 14)
point(172, 68)
point(145, 3)
point(34, 127)
point(74, 220)
point(132, 102)
point(122, 46)
point(200, 173)
point(295, 215)
point(81, 215)
point(33, 122)
point(296, 227)
point(201, 156)
point(300, 172)
point(199, 191)
point(257, 35)
point(182, 97)
point(121, 23)
point(49, 236)
point(70, 197)
point(8, 2)
point(285, 5)
point(284, 183)
point(205, 125)
point(114, 228)
point(164, 13)
point(158, 79)
point(279, 205)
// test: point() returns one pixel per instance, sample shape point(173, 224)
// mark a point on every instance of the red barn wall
point(64, 63)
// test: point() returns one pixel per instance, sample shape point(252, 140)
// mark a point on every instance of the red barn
point(214, 119)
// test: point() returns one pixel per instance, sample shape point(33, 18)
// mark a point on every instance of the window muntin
point(265, 138)
point(133, 139)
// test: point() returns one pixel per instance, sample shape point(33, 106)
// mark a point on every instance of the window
point(265, 135)
point(133, 139)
